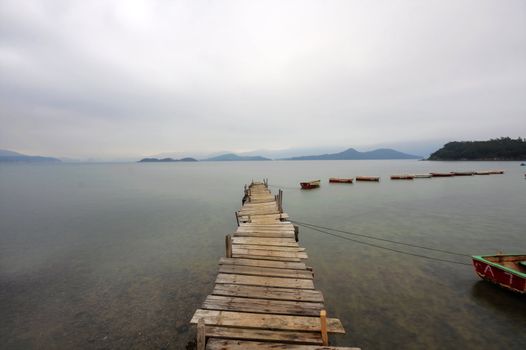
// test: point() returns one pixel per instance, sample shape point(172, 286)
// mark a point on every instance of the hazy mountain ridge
point(352, 154)
point(166, 160)
point(10, 156)
point(229, 157)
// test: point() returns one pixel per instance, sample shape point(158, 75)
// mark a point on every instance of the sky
point(113, 79)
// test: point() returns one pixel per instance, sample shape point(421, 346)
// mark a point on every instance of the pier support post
point(201, 334)
point(237, 218)
point(228, 246)
point(296, 233)
point(323, 320)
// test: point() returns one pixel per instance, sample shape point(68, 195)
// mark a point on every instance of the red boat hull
point(340, 181)
point(309, 185)
point(402, 177)
point(442, 174)
point(499, 275)
point(368, 178)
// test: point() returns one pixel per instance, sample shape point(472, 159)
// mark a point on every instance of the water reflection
point(498, 299)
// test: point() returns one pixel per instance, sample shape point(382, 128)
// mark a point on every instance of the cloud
point(118, 78)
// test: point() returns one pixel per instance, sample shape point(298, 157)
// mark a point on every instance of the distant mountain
point(10, 156)
point(503, 148)
point(290, 152)
point(234, 157)
point(352, 154)
point(166, 160)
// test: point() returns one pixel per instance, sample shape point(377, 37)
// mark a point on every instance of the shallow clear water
point(120, 255)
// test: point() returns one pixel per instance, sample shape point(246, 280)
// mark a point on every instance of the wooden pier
point(264, 296)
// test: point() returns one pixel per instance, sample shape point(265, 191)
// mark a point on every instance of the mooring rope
point(314, 227)
point(381, 239)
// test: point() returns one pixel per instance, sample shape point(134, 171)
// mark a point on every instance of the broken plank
point(265, 321)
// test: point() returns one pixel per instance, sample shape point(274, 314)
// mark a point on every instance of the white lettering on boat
point(511, 276)
point(488, 268)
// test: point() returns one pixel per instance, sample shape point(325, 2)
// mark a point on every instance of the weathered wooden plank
point(260, 334)
point(283, 242)
point(269, 248)
point(223, 344)
point(259, 214)
point(268, 253)
point(272, 293)
point(263, 228)
point(269, 200)
point(265, 321)
point(262, 221)
point(263, 263)
point(217, 302)
point(269, 234)
point(269, 209)
point(250, 205)
point(265, 231)
point(265, 271)
point(263, 257)
point(277, 215)
point(265, 218)
point(265, 281)
point(277, 224)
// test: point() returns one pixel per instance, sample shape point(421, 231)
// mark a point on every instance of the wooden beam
point(228, 246)
point(201, 334)
point(323, 326)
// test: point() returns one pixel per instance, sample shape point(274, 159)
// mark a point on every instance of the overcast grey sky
point(127, 78)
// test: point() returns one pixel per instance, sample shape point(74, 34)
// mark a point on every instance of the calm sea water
point(105, 256)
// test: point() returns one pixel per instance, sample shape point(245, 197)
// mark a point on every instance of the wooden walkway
point(264, 296)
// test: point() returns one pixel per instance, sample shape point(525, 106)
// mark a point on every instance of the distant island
point(230, 157)
point(166, 160)
point(10, 156)
point(503, 148)
point(352, 154)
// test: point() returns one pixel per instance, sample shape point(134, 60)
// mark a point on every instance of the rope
point(386, 248)
point(381, 239)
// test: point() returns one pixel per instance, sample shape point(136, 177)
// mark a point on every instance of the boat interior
point(515, 262)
